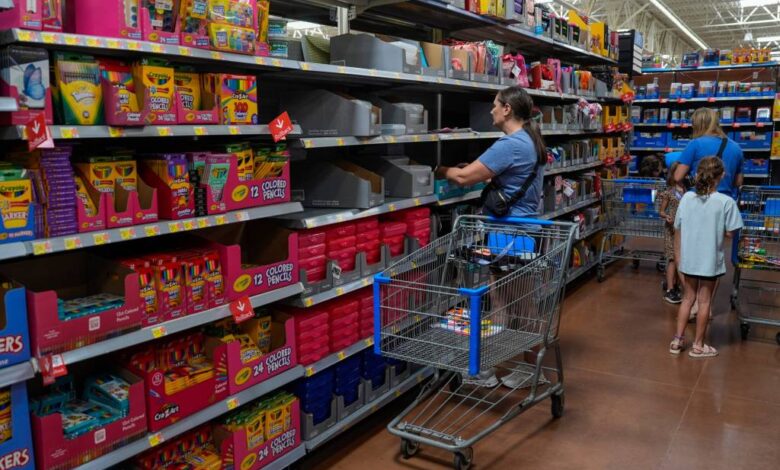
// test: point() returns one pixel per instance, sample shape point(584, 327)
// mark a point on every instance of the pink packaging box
point(75, 275)
point(54, 451)
point(102, 18)
point(282, 358)
point(237, 195)
point(235, 444)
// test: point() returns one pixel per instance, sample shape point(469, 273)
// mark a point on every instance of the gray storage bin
point(413, 116)
point(345, 410)
point(370, 52)
point(310, 430)
point(403, 178)
point(480, 119)
point(322, 113)
point(339, 184)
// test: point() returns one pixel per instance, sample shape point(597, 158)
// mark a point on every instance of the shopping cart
point(470, 302)
point(631, 209)
point(758, 250)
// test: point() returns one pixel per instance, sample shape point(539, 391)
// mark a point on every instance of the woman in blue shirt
point(707, 139)
point(512, 159)
point(510, 162)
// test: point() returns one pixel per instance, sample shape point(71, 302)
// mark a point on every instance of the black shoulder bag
point(689, 180)
point(499, 204)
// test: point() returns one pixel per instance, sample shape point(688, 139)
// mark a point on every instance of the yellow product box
point(245, 160)
point(255, 430)
point(275, 419)
point(5, 415)
point(99, 173)
point(204, 458)
point(159, 81)
point(15, 198)
point(237, 95)
point(188, 87)
point(776, 144)
point(126, 174)
point(259, 331)
point(83, 194)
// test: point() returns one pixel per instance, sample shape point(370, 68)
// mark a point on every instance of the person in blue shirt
point(511, 160)
point(707, 139)
point(514, 158)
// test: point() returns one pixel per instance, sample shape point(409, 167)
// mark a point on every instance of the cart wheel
point(777, 338)
point(635, 263)
point(733, 302)
point(557, 405)
point(409, 448)
point(744, 330)
point(463, 459)
point(600, 273)
point(661, 266)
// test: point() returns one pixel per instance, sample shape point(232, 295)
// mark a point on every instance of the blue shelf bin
point(755, 167)
point(17, 452)
point(651, 139)
point(14, 333)
point(753, 139)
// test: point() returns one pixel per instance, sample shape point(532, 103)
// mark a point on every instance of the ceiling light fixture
point(769, 39)
point(673, 18)
point(757, 3)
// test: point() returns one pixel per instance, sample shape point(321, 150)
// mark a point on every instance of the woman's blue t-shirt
point(512, 159)
point(708, 146)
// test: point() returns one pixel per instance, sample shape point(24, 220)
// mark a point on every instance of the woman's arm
point(473, 173)
point(682, 170)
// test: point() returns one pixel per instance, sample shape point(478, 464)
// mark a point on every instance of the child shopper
point(670, 200)
point(704, 219)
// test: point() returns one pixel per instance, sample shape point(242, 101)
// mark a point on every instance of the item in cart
point(458, 321)
point(78, 91)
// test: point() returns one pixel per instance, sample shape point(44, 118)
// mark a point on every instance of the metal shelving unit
point(174, 130)
point(706, 68)
point(312, 218)
point(331, 293)
point(470, 196)
point(16, 373)
point(712, 99)
point(573, 168)
point(136, 232)
point(735, 125)
point(8, 104)
point(337, 357)
point(571, 208)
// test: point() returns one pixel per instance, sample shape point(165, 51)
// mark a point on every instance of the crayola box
point(78, 94)
point(16, 205)
point(237, 95)
point(158, 78)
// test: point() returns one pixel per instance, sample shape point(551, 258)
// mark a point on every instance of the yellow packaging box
point(126, 174)
point(159, 81)
point(188, 86)
point(99, 173)
point(15, 200)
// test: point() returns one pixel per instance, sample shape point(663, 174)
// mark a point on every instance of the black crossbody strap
point(524, 188)
point(722, 148)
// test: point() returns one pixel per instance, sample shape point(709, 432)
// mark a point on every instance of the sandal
point(677, 345)
point(702, 351)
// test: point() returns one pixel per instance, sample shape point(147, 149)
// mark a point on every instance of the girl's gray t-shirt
point(703, 221)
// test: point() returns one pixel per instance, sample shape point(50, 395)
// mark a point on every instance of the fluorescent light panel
point(768, 39)
point(757, 3)
point(673, 18)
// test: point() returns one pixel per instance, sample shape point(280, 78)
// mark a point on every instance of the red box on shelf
point(312, 251)
point(307, 238)
point(396, 244)
point(236, 454)
point(54, 451)
point(368, 236)
point(342, 243)
point(75, 274)
point(257, 257)
point(345, 258)
point(365, 225)
point(392, 229)
point(347, 229)
point(240, 375)
point(316, 274)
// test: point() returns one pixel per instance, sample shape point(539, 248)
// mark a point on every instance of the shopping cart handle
point(637, 180)
point(520, 220)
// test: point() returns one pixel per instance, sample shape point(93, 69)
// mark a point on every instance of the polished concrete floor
point(629, 403)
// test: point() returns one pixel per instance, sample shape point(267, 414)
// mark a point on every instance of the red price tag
point(759, 124)
point(684, 125)
point(670, 126)
point(736, 125)
point(663, 100)
point(37, 132)
point(711, 99)
point(242, 309)
point(280, 127)
point(52, 367)
point(681, 100)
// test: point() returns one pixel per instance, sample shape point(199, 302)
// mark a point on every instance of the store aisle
point(629, 403)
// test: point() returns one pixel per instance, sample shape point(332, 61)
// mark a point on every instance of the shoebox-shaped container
point(175, 391)
point(256, 256)
point(380, 53)
point(237, 453)
point(412, 116)
point(312, 333)
point(241, 373)
point(76, 299)
point(323, 113)
point(339, 183)
point(55, 450)
point(14, 334)
point(16, 452)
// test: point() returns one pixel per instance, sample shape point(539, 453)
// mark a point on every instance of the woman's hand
point(468, 175)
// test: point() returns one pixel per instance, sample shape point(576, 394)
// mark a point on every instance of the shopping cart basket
point(469, 302)
point(758, 250)
point(631, 209)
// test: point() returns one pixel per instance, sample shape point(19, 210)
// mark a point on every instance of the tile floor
point(629, 403)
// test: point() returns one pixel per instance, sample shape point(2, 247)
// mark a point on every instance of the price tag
point(340, 142)
point(339, 291)
point(188, 224)
point(737, 125)
point(260, 60)
point(308, 302)
point(663, 100)
point(341, 355)
point(391, 139)
point(440, 80)
point(711, 99)
point(156, 439)
point(234, 130)
point(276, 62)
point(309, 371)
point(369, 342)
point(174, 227)
point(670, 126)
point(200, 130)
point(49, 38)
point(115, 131)
point(372, 72)
point(93, 42)
point(127, 233)
point(25, 36)
point(159, 332)
point(232, 403)
point(113, 44)
point(42, 248)
point(242, 216)
point(307, 143)
point(305, 66)
point(391, 207)
point(220, 220)
point(185, 51)
point(759, 124)
point(417, 202)
point(416, 138)
point(72, 243)
point(419, 78)
point(397, 393)
point(164, 131)
point(69, 133)
point(366, 281)
point(157, 48)
point(684, 125)
point(342, 69)
point(203, 223)
point(101, 238)
point(681, 100)
point(216, 55)
point(72, 40)
point(134, 45)
point(152, 230)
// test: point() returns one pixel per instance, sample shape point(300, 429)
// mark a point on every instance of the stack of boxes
point(368, 241)
point(341, 245)
point(316, 395)
point(344, 323)
point(347, 380)
point(392, 234)
point(366, 314)
point(374, 367)
point(311, 254)
point(312, 334)
point(418, 223)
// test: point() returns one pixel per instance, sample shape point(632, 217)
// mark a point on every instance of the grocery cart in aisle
point(757, 298)
point(631, 209)
point(482, 301)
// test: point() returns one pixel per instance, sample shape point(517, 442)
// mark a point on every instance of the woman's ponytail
point(709, 171)
point(522, 107)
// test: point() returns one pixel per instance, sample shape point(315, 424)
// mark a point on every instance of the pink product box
point(54, 451)
point(237, 195)
point(102, 18)
point(240, 375)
